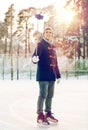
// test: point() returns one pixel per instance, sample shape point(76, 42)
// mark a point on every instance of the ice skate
point(42, 120)
point(51, 118)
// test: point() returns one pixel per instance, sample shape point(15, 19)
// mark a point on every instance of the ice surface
point(18, 105)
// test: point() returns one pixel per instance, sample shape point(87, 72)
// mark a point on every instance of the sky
point(20, 4)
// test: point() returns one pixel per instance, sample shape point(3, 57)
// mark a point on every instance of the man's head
point(48, 34)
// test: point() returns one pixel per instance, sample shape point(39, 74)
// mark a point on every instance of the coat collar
point(45, 41)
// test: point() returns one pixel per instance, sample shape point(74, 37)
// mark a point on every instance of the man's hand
point(35, 59)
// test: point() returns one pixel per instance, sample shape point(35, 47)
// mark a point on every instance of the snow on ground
point(18, 105)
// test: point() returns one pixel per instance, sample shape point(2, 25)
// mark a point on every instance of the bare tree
point(23, 20)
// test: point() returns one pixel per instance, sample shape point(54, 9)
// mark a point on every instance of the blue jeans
point(46, 93)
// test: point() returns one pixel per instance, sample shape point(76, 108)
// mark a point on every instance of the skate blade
point(52, 122)
point(43, 125)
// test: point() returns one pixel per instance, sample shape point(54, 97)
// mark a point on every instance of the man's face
point(48, 34)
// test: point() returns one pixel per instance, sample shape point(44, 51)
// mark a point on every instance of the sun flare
point(64, 15)
point(67, 16)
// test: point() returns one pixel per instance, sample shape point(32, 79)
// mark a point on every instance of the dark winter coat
point(47, 66)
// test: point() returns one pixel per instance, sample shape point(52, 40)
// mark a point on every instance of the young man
point(47, 73)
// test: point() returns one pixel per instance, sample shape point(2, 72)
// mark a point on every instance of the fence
point(19, 68)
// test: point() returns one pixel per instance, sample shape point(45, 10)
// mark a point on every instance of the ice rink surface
point(18, 101)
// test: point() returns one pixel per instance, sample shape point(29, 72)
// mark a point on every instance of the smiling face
point(48, 34)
